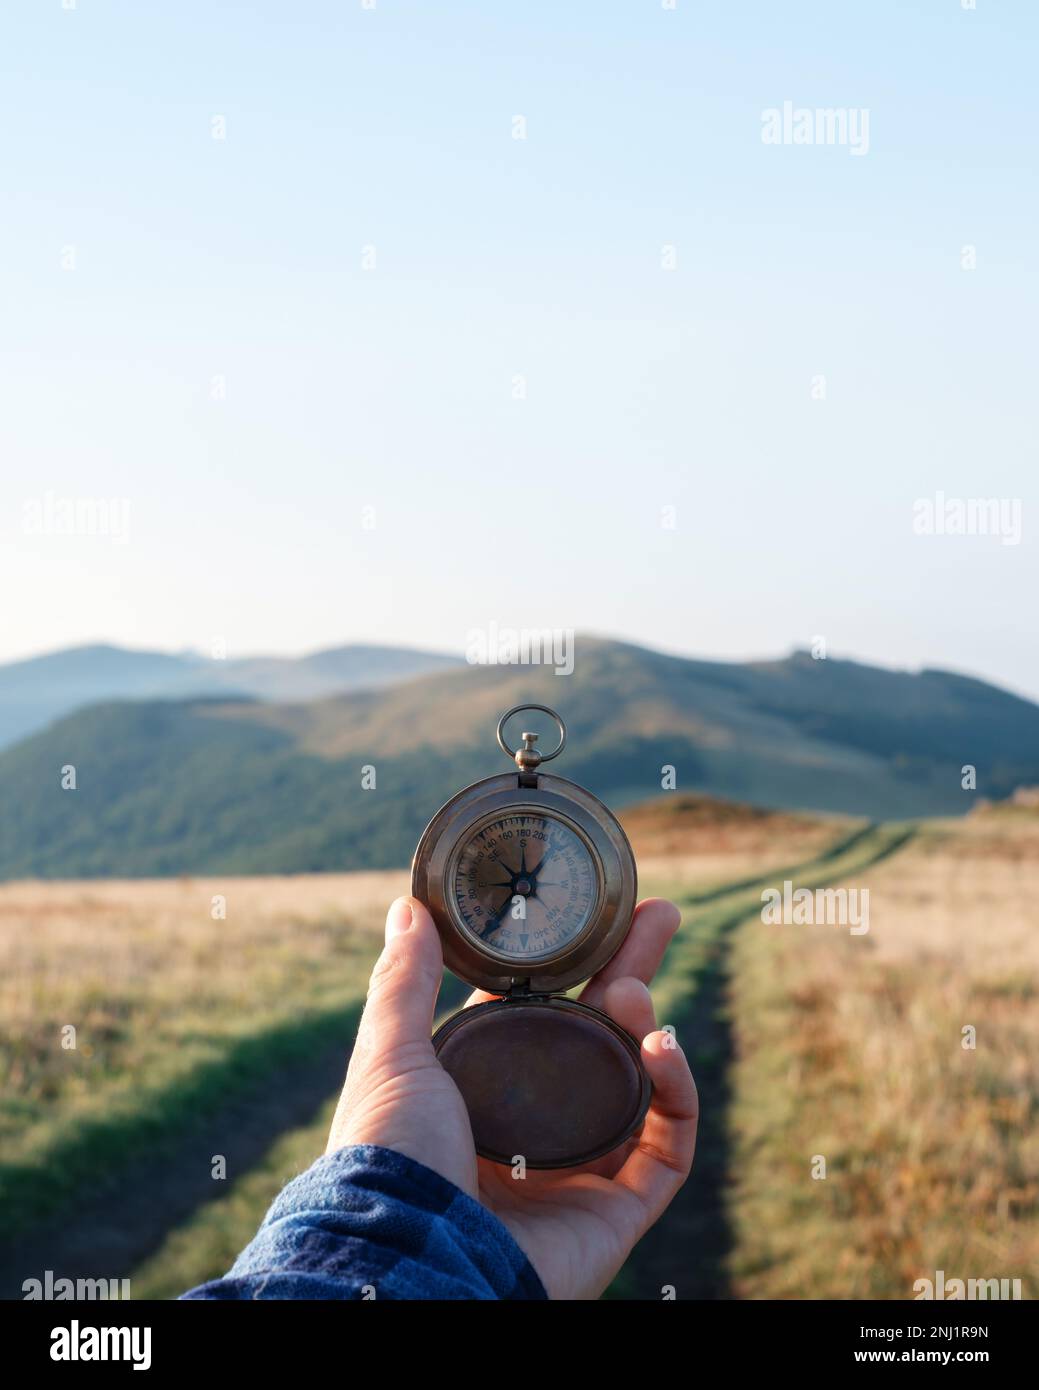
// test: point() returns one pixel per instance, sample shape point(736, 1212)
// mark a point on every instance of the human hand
point(576, 1225)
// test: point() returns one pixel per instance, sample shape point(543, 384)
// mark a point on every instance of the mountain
point(231, 786)
point(36, 691)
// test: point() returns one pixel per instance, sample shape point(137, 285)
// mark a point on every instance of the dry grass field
point(171, 1006)
point(696, 844)
point(806, 1041)
point(852, 1048)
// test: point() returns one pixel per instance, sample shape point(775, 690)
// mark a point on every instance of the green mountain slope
point(232, 786)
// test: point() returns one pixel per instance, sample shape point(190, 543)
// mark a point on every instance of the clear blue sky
point(241, 258)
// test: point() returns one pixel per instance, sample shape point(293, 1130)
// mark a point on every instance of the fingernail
point(398, 919)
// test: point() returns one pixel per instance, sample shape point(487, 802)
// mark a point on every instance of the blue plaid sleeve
point(366, 1222)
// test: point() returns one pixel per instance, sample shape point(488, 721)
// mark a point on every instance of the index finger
point(653, 924)
point(663, 1156)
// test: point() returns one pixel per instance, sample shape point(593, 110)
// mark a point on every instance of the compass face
point(525, 885)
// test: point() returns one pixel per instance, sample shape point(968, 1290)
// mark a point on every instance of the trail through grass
point(692, 1242)
point(689, 1250)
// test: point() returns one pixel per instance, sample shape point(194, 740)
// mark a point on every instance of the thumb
point(396, 1093)
point(403, 991)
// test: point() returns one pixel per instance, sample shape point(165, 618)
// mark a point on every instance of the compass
point(527, 860)
point(531, 882)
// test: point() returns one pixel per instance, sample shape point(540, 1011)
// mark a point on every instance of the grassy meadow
point(175, 1010)
point(199, 1035)
point(852, 1048)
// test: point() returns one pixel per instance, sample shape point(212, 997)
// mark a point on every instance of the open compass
point(531, 882)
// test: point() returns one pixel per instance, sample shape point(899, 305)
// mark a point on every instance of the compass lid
point(548, 1080)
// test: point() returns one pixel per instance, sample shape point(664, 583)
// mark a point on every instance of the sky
point(387, 322)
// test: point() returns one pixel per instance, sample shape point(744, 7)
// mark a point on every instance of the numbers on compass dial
point(525, 885)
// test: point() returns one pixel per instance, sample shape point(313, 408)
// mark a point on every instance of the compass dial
point(525, 885)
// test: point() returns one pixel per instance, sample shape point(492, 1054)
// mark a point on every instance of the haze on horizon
point(419, 645)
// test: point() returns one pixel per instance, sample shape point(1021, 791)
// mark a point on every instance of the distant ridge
point(42, 688)
point(240, 786)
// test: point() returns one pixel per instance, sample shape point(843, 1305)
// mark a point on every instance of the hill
point(42, 688)
point(230, 786)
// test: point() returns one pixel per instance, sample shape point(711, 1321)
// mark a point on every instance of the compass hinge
point(521, 990)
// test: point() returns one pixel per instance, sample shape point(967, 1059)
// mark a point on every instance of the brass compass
point(532, 884)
